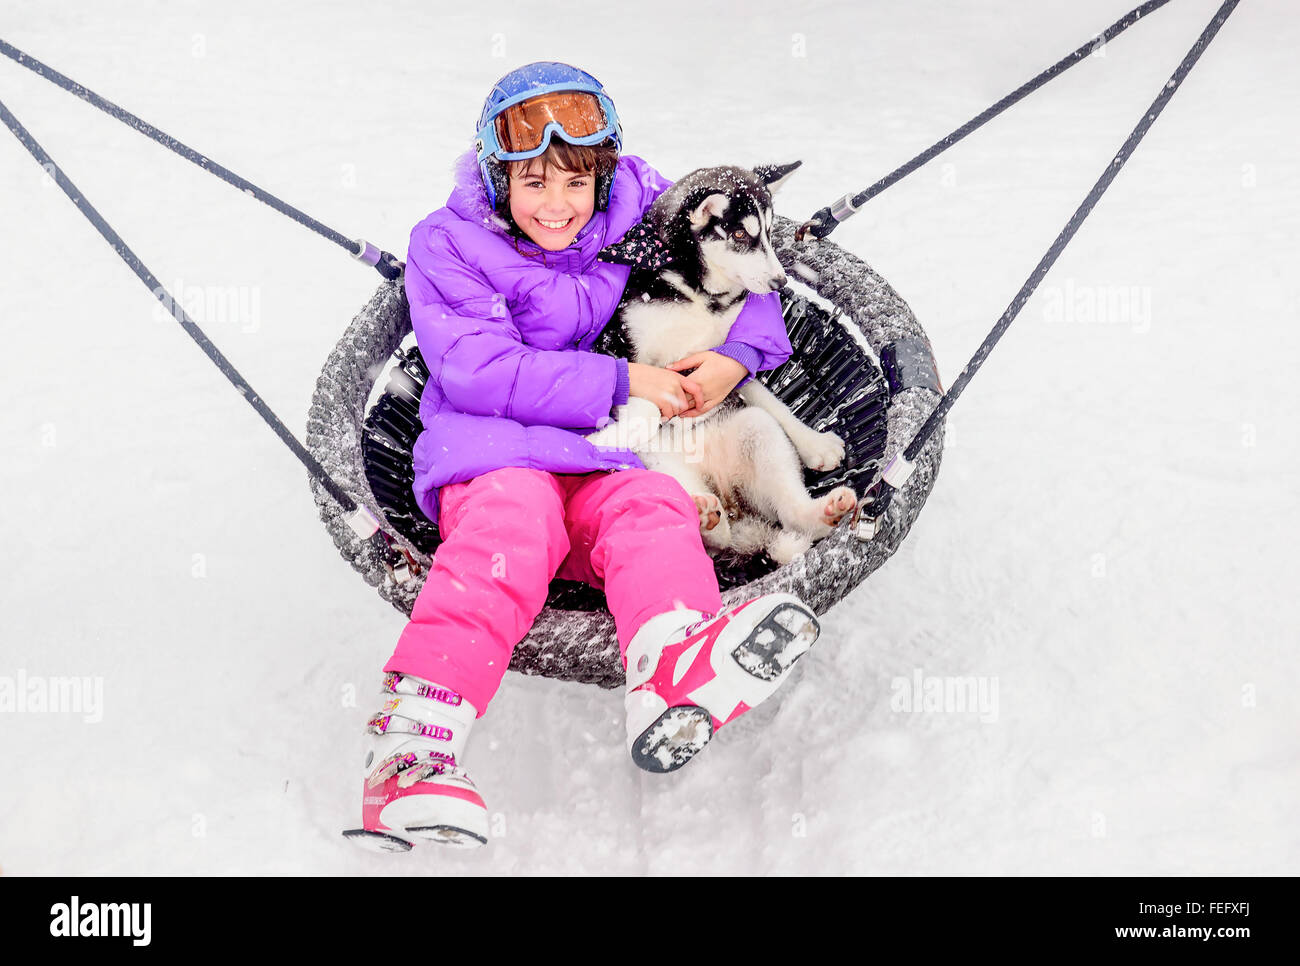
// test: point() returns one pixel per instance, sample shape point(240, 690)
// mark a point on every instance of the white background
point(1108, 540)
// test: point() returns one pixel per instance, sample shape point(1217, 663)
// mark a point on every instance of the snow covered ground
point(1105, 551)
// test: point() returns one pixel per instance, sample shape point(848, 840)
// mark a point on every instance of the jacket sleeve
point(650, 181)
point(477, 356)
point(758, 339)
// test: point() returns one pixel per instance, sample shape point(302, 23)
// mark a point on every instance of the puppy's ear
point(711, 207)
point(775, 175)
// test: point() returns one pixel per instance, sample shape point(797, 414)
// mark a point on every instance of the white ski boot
point(414, 787)
point(689, 673)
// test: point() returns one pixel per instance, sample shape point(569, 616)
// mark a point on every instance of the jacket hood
point(469, 198)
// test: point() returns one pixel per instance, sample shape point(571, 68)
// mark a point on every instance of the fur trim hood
point(469, 198)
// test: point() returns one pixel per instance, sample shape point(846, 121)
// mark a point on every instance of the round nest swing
point(875, 398)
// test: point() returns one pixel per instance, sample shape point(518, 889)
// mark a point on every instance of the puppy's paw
point(710, 508)
point(820, 451)
point(787, 545)
point(837, 504)
point(635, 426)
point(641, 408)
point(609, 436)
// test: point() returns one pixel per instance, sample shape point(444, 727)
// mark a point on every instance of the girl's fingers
point(696, 391)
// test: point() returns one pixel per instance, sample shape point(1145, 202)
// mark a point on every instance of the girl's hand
point(666, 389)
point(717, 375)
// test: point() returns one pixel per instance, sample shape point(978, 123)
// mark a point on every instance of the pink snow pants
point(633, 533)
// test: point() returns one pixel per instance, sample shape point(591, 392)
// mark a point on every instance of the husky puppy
point(703, 246)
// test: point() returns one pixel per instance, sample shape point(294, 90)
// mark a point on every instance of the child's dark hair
point(600, 159)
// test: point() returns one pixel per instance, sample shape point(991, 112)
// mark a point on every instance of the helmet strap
point(500, 187)
point(604, 188)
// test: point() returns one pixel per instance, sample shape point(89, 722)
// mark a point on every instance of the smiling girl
point(507, 297)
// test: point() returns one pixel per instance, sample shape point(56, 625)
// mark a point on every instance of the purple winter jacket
point(506, 329)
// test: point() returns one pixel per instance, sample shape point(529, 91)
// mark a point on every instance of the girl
point(506, 299)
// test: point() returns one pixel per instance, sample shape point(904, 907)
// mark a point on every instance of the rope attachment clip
point(385, 263)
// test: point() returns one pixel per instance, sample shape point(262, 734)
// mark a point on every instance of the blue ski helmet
point(534, 103)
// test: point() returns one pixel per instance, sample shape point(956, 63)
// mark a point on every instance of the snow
point(1105, 550)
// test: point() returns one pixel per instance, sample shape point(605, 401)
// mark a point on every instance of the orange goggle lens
point(522, 126)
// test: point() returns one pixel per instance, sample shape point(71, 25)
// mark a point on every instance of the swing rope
point(384, 262)
point(361, 519)
point(900, 467)
point(828, 219)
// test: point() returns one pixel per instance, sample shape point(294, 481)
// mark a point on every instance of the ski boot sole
point(448, 835)
point(780, 639)
point(767, 654)
point(376, 841)
point(676, 736)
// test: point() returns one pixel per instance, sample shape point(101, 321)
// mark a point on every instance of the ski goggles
point(524, 129)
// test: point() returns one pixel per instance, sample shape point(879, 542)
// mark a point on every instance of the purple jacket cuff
point(747, 356)
point(622, 382)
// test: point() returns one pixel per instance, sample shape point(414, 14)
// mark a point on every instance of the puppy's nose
point(778, 283)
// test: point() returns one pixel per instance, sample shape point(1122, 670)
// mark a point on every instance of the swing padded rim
point(581, 645)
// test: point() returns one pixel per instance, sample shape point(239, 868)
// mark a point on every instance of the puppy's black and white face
point(733, 225)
